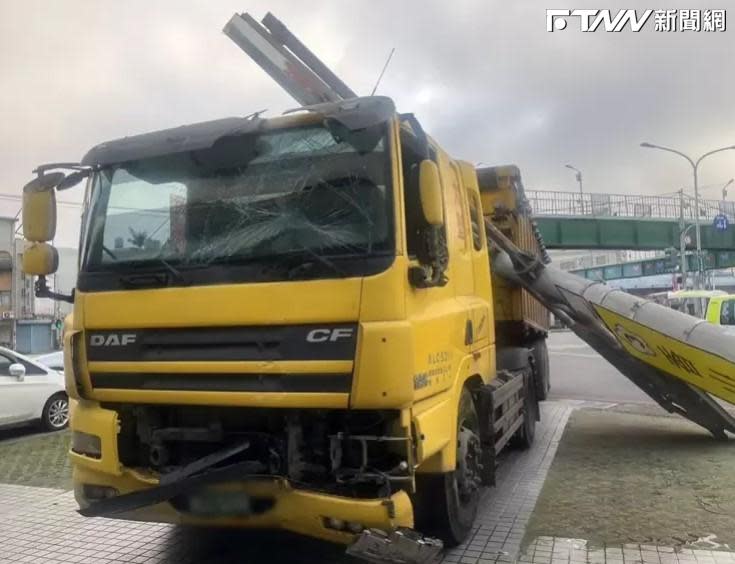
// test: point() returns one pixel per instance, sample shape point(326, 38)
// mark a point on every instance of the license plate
point(219, 503)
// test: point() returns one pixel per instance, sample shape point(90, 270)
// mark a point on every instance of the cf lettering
point(331, 335)
point(318, 335)
point(341, 334)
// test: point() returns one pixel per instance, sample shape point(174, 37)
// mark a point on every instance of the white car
point(54, 360)
point(30, 391)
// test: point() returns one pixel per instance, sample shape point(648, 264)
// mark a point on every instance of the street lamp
point(683, 251)
point(724, 188)
point(579, 179)
point(695, 167)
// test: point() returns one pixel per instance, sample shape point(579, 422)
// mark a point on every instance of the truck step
point(402, 546)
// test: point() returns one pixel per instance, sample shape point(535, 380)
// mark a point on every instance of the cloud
point(484, 76)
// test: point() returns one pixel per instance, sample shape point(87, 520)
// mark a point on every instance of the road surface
point(578, 372)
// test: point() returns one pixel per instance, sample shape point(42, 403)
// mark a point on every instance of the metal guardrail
point(547, 202)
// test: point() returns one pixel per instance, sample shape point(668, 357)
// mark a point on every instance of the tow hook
point(402, 546)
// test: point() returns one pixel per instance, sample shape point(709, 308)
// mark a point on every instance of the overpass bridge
point(713, 260)
point(569, 220)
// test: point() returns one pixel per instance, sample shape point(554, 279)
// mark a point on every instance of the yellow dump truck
point(519, 317)
point(290, 323)
point(296, 322)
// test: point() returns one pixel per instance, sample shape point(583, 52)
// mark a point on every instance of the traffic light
point(672, 257)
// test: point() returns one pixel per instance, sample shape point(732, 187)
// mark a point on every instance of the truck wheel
point(526, 432)
point(541, 369)
point(55, 415)
point(447, 503)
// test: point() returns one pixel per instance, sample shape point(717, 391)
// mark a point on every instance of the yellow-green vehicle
point(715, 306)
point(289, 323)
point(721, 311)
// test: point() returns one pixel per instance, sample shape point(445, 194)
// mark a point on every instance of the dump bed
point(519, 317)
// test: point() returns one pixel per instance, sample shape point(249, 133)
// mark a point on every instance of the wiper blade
point(146, 280)
point(303, 268)
point(154, 279)
point(176, 273)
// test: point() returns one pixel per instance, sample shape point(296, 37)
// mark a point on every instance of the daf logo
point(112, 340)
point(331, 335)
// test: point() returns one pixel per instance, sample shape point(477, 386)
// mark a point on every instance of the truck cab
point(283, 323)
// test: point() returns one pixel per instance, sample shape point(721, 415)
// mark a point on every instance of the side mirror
point(72, 179)
point(39, 208)
point(40, 259)
point(431, 193)
point(17, 370)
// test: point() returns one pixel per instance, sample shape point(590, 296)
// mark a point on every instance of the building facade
point(28, 324)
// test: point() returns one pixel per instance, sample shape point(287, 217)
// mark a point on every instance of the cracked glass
point(302, 196)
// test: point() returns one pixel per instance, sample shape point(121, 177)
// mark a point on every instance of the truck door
point(480, 300)
point(460, 238)
point(438, 319)
point(457, 228)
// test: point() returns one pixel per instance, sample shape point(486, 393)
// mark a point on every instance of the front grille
point(294, 383)
point(284, 342)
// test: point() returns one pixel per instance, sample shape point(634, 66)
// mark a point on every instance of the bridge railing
point(547, 202)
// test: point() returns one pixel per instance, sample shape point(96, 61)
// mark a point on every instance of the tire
point(447, 503)
point(541, 369)
point(55, 415)
point(527, 432)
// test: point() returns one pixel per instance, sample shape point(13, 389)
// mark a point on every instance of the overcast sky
point(484, 76)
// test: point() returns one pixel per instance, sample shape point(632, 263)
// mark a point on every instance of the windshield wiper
point(154, 279)
point(308, 265)
point(176, 273)
point(147, 280)
point(112, 255)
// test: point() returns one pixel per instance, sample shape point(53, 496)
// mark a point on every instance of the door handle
point(469, 337)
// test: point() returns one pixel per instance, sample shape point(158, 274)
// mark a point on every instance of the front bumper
point(300, 511)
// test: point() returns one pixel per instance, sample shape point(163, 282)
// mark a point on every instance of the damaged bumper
point(271, 504)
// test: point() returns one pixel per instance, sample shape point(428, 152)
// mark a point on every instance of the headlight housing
point(86, 444)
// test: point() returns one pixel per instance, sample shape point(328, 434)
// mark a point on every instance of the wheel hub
point(469, 465)
point(58, 413)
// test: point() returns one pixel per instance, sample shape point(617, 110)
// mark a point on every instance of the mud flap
point(676, 359)
point(402, 546)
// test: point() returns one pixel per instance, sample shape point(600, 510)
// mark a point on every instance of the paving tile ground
point(36, 460)
point(560, 550)
point(41, 524)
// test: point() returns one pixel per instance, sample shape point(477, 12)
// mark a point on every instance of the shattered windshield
point(316, 193)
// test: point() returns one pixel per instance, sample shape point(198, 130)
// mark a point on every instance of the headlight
point(86, 444)
point(73, 364)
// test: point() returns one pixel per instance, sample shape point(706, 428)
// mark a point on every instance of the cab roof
point(356, 113)
point(684, 294)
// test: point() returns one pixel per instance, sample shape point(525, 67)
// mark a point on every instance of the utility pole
point(682, 240)
point(697, 225)
point(579, 179)
point(724, 189)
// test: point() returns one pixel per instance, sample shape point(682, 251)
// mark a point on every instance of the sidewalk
point(616, 485)
point(41, 524)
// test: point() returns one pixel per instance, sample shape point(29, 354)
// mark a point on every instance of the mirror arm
point(433, 270)
point(41, 169)
point(419, 132)
point(427, 276)
point(43, 291)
